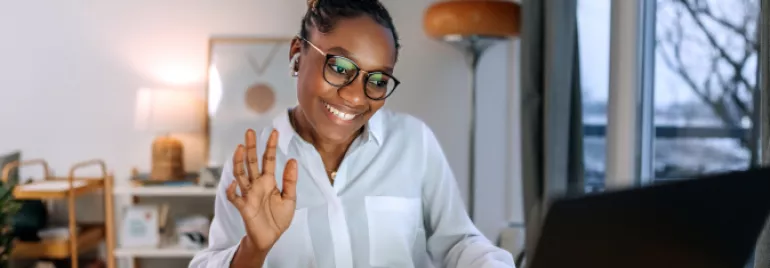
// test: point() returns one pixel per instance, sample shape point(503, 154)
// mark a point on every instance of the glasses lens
point(339, 71)
point(379, 85)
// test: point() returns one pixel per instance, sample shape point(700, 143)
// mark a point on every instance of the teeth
point(339, 114)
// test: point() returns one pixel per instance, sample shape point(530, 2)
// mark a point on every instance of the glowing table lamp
point(165, 112)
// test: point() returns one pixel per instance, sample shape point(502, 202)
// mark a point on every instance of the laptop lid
point(712, 221)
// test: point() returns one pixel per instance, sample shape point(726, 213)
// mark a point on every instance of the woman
point(360, 186)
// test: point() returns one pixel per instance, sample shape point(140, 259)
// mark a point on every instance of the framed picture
point(140, 227)
point(249, 83)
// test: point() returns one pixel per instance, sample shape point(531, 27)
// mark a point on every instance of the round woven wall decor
point(260, 98)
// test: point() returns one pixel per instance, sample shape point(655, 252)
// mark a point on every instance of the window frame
point(763, 147)
point(625, 126)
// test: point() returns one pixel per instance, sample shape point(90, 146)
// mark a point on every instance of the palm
point(267, 215)
point(266, 211)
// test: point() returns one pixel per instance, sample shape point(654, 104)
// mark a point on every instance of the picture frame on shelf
point(140, 227)
point(248, 84)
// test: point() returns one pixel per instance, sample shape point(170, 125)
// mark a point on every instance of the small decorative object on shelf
point(209, 177)
point(193, 232)
point(167, 159)
point(140, 227)
point(163, 219)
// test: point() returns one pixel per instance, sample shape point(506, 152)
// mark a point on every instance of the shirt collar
point(373, 130)
point(285, 131)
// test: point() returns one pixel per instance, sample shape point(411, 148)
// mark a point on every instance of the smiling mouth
point(339, 114)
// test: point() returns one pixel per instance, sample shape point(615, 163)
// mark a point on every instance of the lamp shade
point(495, 18)
point(167, 111)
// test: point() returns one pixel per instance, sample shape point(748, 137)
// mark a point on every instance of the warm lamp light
point(472, 17)
point(165, 112)
point(472, 26)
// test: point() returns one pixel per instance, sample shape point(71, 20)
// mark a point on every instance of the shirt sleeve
point(226, 229)
point(453, 239)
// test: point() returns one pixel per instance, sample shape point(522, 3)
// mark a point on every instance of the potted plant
point(8, 208)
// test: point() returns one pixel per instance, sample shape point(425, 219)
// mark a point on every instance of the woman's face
point(337, 113)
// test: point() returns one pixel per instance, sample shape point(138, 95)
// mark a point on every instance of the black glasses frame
point(328, 57)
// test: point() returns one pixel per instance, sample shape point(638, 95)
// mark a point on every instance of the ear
point(294, 51)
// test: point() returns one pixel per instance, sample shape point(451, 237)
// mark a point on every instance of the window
point(594, 44)
point(704, 84)
point(705, 87)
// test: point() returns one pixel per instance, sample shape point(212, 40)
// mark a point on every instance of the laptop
point(707, 222)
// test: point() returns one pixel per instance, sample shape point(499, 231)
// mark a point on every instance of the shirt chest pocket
point(393, 226)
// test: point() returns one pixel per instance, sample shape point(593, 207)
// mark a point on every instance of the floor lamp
point(472, 26)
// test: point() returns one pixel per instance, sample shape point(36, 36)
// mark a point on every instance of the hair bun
point(312, 4)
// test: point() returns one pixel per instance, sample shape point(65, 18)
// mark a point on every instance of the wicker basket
point(167, 159)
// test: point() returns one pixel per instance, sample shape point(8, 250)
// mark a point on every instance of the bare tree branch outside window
point(712, 46)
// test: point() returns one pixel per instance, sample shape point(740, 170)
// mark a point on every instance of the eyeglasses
point(339, 71)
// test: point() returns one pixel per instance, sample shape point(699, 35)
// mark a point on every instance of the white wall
point(70, 71)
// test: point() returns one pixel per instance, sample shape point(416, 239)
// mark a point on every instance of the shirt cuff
point(224, 258)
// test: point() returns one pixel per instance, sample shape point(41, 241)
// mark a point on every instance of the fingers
point(268, 158)
point(290, 181)
point(252, 164)
point(238, 171)
point(233, 197)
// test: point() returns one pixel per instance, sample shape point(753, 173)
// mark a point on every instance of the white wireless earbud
point(293, 65)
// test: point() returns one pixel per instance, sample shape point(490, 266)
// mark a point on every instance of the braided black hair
point(324, 14)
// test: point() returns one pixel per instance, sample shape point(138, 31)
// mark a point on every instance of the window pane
point(594, 42)
point(705, 81)
point(594, 153)
point(712, 155)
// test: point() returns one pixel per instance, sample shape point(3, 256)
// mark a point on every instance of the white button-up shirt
point(394, 203)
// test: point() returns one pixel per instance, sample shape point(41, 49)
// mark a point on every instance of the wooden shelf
point(165, 191)
point(88, 239)
point(172, 251)
point(90, 236)
point(56, 188)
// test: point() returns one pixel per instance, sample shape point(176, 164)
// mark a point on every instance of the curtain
point(762, 253)
point(551, 123)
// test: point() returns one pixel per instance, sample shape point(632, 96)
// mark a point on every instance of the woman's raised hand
point(266, 211)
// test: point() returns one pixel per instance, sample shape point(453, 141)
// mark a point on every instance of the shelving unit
point(52, 188)
point(167, 249)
